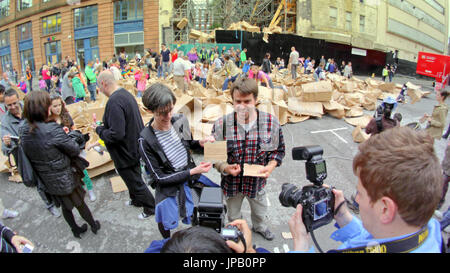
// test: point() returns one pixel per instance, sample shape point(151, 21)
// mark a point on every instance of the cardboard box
point(317, 91)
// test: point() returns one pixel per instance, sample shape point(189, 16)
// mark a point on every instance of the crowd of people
point(55, 150)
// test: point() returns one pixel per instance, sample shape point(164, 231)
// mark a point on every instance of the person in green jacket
point(243, 56)
point(91, 76)
point(77, 86)
point(385, 73)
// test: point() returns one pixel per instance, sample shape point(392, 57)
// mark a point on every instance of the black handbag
point(29, 177)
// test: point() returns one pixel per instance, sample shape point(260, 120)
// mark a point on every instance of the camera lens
point(290, 195)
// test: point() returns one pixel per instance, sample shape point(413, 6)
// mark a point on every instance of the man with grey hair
point(6, 81)
point(181, 70)
point(122, 124)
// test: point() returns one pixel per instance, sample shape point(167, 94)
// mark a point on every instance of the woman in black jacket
point(53, 155)
point(165, 146)
point(266, 65)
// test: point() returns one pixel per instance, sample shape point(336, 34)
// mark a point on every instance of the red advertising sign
point(434, 65)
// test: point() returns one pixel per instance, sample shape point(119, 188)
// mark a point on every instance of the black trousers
point(140, 195)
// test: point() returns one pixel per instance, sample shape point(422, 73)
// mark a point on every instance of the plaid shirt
point(261, 144)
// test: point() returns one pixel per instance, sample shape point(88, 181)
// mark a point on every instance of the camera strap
point(403, 245)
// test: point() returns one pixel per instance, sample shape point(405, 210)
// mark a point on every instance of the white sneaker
point(447, 229)
point(143, 216)
point(54, 211)
point(92, 196)
point(9, 214)
point(438, 214)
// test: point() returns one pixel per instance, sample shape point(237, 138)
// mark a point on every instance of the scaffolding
point(207, 15)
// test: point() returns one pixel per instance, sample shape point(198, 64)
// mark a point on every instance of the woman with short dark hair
point(165, 145)
point(53, 155)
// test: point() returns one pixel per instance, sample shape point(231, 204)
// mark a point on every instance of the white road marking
point(286, 248)
point(276, 250)
point(333, 131)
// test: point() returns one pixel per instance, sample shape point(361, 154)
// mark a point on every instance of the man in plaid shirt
point(253, 137)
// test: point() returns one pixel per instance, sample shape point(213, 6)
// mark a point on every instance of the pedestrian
point(165, 60)
point(122, 123)
point(293, 61)
point(165, 145)
point(54, 156)
point(253, 137)
point(62, 117)
point(181, 72)
point(22, 85)
point(342, 68)
point(77, 85)
point(391, 73)
point(319, 73)
point(310, 68)
point(115, 69)
point(266, 65)
point(46, 76)
point(348, 71)
point(141, 79)
point(217, 63)
point(6, 81)
point(232, 72)
point(204, 73)
point(9, 128)
point(192, 55)
point(91, 77)
point(29, 76)
point(42, 84)
point(385, 73)
point(437, 121)
point(244, 56)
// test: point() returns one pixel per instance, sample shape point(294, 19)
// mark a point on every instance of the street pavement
point(122, 232)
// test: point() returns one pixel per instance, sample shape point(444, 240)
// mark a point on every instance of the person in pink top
point(256, 73)
point(141, 78)
point(46, 76)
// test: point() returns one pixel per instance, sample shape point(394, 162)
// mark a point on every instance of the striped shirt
point(172, 147)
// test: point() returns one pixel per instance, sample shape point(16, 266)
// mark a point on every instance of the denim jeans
point(227, 80)
point(294, 71)
point(92, 90)
point(202, 81)
point(166, 69)
point(160, 72)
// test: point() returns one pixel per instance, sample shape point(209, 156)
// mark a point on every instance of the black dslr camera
point(316, 200)
point(211, 213)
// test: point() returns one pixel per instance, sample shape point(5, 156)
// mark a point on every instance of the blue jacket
point(355, 235)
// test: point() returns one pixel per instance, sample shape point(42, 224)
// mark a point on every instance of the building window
point(53, 52)
point(348, 21)
point(128, 10)
point(6, 62)
point(24, 32)
point(333, 16)
point(362, 23)
point(86, 16)
point(51, 24)
point(4, 8)
point(24, 4)
point(27, 59)
point(4, 38)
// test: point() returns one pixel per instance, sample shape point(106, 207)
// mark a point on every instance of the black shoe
point(267, 234)
point(79, 230)
point(96, 228)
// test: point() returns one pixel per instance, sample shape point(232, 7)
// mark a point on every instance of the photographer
point(396, 207)
point(382, 120)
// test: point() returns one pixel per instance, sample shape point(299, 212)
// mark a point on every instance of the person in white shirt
point(181, 71)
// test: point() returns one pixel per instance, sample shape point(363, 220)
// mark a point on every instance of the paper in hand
point(253, 170)
point(216, 151)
